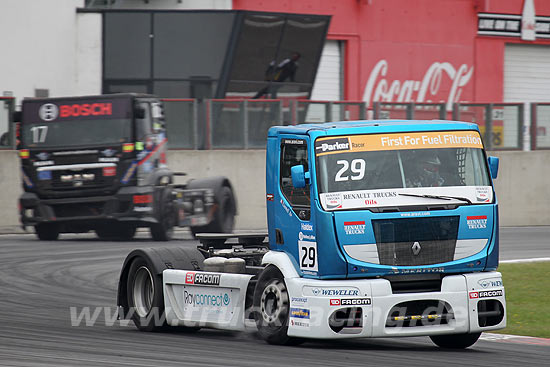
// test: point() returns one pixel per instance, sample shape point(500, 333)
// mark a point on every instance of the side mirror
point(493, 166)
point(299, 177)
point(139, 112)
point(16, 117)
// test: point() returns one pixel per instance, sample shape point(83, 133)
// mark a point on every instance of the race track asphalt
point(42, 281)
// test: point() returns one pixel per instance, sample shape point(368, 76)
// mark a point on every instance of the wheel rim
point(143, 292)
point(274, 302)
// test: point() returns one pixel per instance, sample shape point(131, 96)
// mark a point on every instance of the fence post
point(328, 112)
point(533, 127)
point(410, 111)
point(244, 112)
point(280, 104)
point(442, 111)
point(376, 110)
point(363, 111)
point(195, 125)
point(489, 127)
point(209, 123)
point(520, 127)
point(456, 111)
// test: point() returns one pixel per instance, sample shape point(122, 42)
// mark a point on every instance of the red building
point(429, 50)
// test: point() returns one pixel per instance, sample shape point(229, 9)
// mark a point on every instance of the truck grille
point(416, 241)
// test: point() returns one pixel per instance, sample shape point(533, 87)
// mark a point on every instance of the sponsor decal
point(24, 153)
point(490, 283)
point(332, 145)
point(299, 323)
point(441, 81)
point(486, 294)
point(301, 300)
point(211, 300)
point(286, 208)
point(306, 226)
point(107, 159)
point(476, 221)
point(306, 237)
point(45, 175)
point(43, 163)
point(86, 109)
point(333, 200)
point(202, 278)
point(128, 148)
point(482, 194)
point(299, 313)
point(418, 270)
point(350, 302)
point(334, 292)
point(129, 173)
point(293, 141)
point(415, 214)
point(269, 197)
point(354, 227)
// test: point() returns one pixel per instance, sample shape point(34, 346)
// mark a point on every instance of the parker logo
point(202, 278)
point(477, 221)
point(332, 145)
point(354, 227)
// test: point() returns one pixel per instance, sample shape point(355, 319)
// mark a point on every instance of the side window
point(144, 125)
point(294, 152)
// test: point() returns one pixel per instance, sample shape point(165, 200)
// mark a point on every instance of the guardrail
point(243, 123)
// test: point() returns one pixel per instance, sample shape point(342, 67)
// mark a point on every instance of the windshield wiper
point(441, 197)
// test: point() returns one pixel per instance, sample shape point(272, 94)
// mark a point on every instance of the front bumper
point(317, 307)
point(120, 206)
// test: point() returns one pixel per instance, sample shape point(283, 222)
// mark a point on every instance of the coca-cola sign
point(442, 82)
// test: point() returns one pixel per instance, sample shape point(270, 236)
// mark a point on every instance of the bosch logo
point(48, 112)
point(86, 109)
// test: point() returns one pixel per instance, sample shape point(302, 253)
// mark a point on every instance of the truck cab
point(355, 200)
point(99, 163)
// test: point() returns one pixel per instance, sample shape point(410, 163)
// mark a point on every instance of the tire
point(116, 231)
point(164, 229)
point(224, 216)
point(272, 306)
point(47, 231)
point(455, 341)
point(144, 296)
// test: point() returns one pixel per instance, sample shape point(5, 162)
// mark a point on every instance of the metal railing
point(243, 123)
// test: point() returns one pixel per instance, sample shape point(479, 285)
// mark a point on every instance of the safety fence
point(243, 123)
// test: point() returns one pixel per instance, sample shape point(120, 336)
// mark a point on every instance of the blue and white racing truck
point(375, 229)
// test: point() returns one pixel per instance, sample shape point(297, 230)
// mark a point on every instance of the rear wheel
point(272, 305)
point(455, 341)
point(47, 231)
point(164, 229)
point(144, 296)
point(224, 216)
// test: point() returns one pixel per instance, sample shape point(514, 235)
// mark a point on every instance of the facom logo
point(202, 278)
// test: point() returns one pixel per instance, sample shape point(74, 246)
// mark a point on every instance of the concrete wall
point(522, 187)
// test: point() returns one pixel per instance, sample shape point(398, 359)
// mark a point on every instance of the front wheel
point(272, 305)
point(455, 341)
point(47, 231)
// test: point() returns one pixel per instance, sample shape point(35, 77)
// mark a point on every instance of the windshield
point(69, 133)
point(401, 169)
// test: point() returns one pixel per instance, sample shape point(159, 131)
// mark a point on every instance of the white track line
point(533, 260)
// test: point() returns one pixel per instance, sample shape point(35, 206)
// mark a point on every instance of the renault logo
point(416, 248)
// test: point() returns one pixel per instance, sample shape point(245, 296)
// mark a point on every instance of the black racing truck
point(99, 163)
